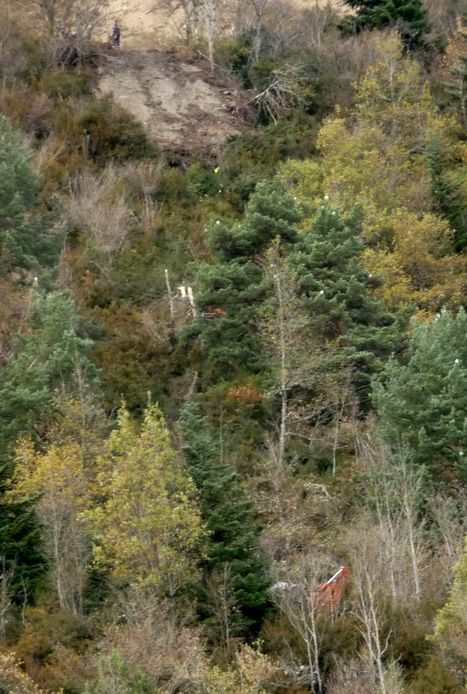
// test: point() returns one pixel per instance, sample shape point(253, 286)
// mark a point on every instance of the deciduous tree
point(451, 622)
point(147, 525)
point(378, 159)
point(57, 479)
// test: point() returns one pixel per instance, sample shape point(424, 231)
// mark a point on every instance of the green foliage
point(113, 133)
point(237, 55)
point(451, 622)
point(234, 283)
point(422, 403)
point(103, 131)
point(456, 82)
point(448, 196)
point(173, 186)
point(52, 358)
point(409, 16)
point(21, 547)
point(233, 550)
point(354, 331)
point(270, 213)
point(434, 677)
point(234, 54)
point(146, 522)
point(202, 180)
point(115, 675)
point(251, 158)
point(289, 314)
point(66, 84)
point(28, 238)
point(378, 160)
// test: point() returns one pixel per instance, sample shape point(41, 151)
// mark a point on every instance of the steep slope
point(182, 107)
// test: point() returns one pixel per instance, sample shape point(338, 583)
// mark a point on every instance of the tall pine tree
point(233, 554)
point(230, 289)
point(355, 331)
point(422, 404)
point(22, 559)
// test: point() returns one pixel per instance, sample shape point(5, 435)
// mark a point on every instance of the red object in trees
point(214, 312)
point(329, 593)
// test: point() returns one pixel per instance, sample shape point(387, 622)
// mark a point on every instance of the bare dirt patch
point(181, 106)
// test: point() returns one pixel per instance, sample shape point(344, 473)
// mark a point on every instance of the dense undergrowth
point(223, 380)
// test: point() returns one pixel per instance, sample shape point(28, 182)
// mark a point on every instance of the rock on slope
point(180, 105)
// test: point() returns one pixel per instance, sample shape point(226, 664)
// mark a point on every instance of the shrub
point(13, 679)
point(65, 84)
point(113, 133)
point(435, 678)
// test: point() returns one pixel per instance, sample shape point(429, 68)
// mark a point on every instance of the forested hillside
point(233, 354)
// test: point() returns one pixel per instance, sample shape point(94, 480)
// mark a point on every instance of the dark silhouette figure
point(116, 35)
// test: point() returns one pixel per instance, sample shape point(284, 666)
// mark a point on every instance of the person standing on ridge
point(116, 35)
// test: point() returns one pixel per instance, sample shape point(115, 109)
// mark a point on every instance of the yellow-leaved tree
point(146, 522)
point(57, 479)
point(419, 266)
point(377, 156)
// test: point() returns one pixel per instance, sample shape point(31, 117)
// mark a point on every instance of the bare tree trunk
point(170, 295)
point(393, 493)
point(368, 613)
point(259, 8)
point(222, 604)
point(296, 598)
point(257, 42)
point(408, 508)
point(283, 373)
point(6, 576)
point(210, 23)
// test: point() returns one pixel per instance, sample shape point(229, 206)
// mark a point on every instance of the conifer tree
point(355, 331)
point(449, 199)
point(58, 480)
point(233, 284)
point(270, 212)
point(52, 357)
point(28, 237)
point(229, 516)
point(22, 557)
point(409, 16)
point(421, 404)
